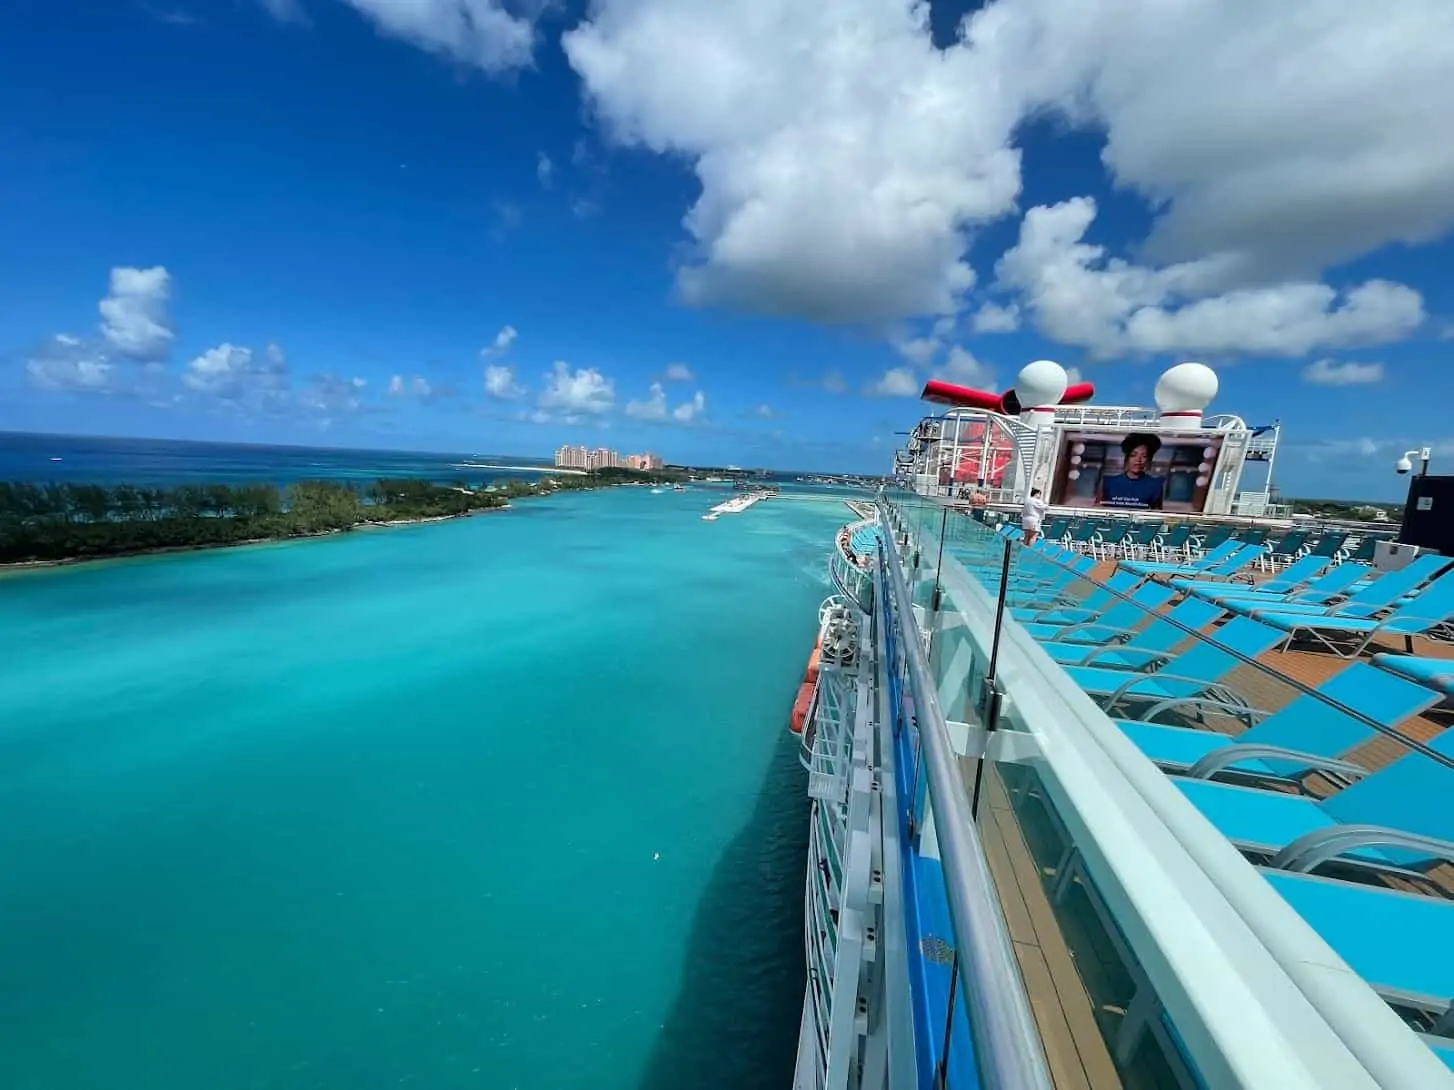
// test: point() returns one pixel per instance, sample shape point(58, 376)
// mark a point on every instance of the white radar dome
point(1041, 383)
point(1187, 387)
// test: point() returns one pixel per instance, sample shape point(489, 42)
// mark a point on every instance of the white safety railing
point(1006, 1040)
point(1257, 998)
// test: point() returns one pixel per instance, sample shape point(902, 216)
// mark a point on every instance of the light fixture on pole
point(1406, 465)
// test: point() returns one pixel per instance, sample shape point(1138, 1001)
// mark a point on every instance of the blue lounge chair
point(1087, 608)
point(1309, 733)
point(1137, 650)
point(1199, 546)
point(1107, 543)
point(1286, 550)
point(1368, 601)
point(1365, 548)
point(1319, 591)
point(1399, 818)
point(1397, 942)
point(1329, 545)
point(1350, 636)
point(1292, 578)
point(1225, 569)
point(1138, 543)
point(1056, 529)
point(1080, 535)
point(1434, 673)
point(1101, 626)
point(1168, 546)
point(1028, 565)
point(1211, 559)
point(1193, 673)
point(1040, 584)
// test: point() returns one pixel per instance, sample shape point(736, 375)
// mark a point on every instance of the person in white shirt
point(1030, 516)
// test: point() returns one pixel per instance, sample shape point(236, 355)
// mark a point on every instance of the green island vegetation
point(1349, 510)
point(55, 522)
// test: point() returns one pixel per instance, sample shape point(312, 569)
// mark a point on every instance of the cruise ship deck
point(1157, 802)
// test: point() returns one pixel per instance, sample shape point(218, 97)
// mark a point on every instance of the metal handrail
point(1007, 1043)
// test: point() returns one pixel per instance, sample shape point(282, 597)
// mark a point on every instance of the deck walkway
point(1064, 1012)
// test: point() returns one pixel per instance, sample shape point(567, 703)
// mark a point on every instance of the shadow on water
point(734, 1023)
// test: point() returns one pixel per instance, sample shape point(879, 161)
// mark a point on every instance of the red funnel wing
point(946, 393)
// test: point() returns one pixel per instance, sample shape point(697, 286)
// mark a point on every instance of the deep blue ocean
point(505, 801)
point(170, 461)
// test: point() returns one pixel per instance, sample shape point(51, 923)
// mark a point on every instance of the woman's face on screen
point(1137, 461)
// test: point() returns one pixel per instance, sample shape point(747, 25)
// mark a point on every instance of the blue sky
point(729, 233)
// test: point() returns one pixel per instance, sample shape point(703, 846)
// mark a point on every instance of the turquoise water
point(500, 802)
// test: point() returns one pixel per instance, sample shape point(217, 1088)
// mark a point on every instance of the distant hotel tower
point(569, 457)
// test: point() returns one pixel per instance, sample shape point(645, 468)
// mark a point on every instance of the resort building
point(579, 457)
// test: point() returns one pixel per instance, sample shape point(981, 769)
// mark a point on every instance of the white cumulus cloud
point(993, 318)
point(502, 342)
point(134, 319)
point(241, 378)
point(68, 363)
point(481, 33)
point(500, 382)
point(678, 372)
point(840, 155)
point(962, 367)
point(918, 350)
point(1331, 373)
point(544, 170)
point(845, 163)
point(579, 390)
point(895, 382)
point(135, 336)
point(688, 411)
point(654, 406)
point(332, 395)
point(1079, 295)
point(416, 386)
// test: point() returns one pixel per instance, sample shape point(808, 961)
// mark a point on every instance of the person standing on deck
point(1031, 514)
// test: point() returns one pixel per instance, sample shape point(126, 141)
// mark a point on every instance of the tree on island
point(41, 522)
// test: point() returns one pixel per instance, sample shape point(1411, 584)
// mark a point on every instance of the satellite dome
point(1040, 384)
point(1186, 388)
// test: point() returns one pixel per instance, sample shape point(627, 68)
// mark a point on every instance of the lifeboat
point(804, 700)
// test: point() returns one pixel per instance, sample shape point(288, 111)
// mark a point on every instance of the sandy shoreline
point(19, 567)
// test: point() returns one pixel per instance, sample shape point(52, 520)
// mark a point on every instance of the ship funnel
point(1183, 393)
point(1039, 387)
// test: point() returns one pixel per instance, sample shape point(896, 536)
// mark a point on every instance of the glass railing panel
point(979, 1028)
point(1209, 694)
point(1156, 1022)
